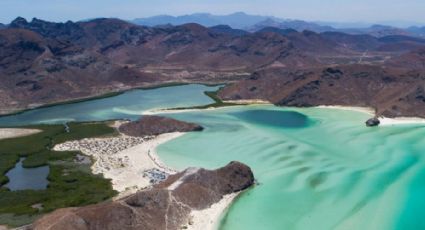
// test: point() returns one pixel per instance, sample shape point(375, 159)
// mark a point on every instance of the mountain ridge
point(43, 62)
point(253, 23)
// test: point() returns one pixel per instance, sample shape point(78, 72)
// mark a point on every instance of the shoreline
point(171, 111)
point(209, 219)
point(249, 102)
point(366, 110)
point(6, 133)
point(123, 159)
point(384, 121)
point(118, 92)
point(127, 168)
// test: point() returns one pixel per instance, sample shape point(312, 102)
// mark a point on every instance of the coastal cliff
point(167, 205)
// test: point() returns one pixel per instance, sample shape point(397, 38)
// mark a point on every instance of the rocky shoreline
point(173, 204)
point(135, 170)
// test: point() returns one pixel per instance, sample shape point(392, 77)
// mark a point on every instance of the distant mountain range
point(45, 62)
point(237, 20)
point(253, 23)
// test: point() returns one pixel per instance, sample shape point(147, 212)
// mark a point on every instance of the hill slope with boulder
point(168, 205)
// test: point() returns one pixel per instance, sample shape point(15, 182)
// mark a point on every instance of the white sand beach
point(366, 110)
point(126, 160)
point(16, 132)
point(171, 111)
point(123, 159)
point(209, 219)
point(384, 121)
point(401, 120)
point(249, 102)
point(239, 102)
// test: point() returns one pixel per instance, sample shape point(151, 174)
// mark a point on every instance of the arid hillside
point(43, 62)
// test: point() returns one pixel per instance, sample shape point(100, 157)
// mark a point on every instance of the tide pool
point(316, 168)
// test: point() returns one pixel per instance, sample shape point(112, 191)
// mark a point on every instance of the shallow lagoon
point(129, 105)
point(323, 170)
point(316, 168)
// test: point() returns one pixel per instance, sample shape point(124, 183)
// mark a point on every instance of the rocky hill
point(391, 91)
point(168, 205)
point(43, 62)
point(155, 125)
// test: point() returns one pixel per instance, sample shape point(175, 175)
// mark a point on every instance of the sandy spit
point(16, 132)
point(171, 111)
point(249, 102)
point(124, 160)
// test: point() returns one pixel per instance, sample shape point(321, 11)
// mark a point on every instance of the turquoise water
point(129, 105)
point(316, 168)
point(21, 178)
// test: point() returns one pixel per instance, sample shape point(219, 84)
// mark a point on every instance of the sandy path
point(16, 132)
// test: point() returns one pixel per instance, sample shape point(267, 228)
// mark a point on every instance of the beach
point(366, 110)
point(16, 132)
point(170, 111)
point(401, 120)
point(209, 219)
point(249, 102)
point(384, 121)
point(125, 160)
point(133, 165)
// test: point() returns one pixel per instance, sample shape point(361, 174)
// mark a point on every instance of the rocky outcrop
point(155, 125)
point(391, 92)
point(372, 122)
point(166, 206)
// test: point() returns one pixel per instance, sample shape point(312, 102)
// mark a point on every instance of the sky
point(369, 11)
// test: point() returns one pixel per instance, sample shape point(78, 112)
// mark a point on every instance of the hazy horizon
point(389, 12)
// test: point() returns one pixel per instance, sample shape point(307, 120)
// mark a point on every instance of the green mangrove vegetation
point(70, 183)
point(216, 104)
